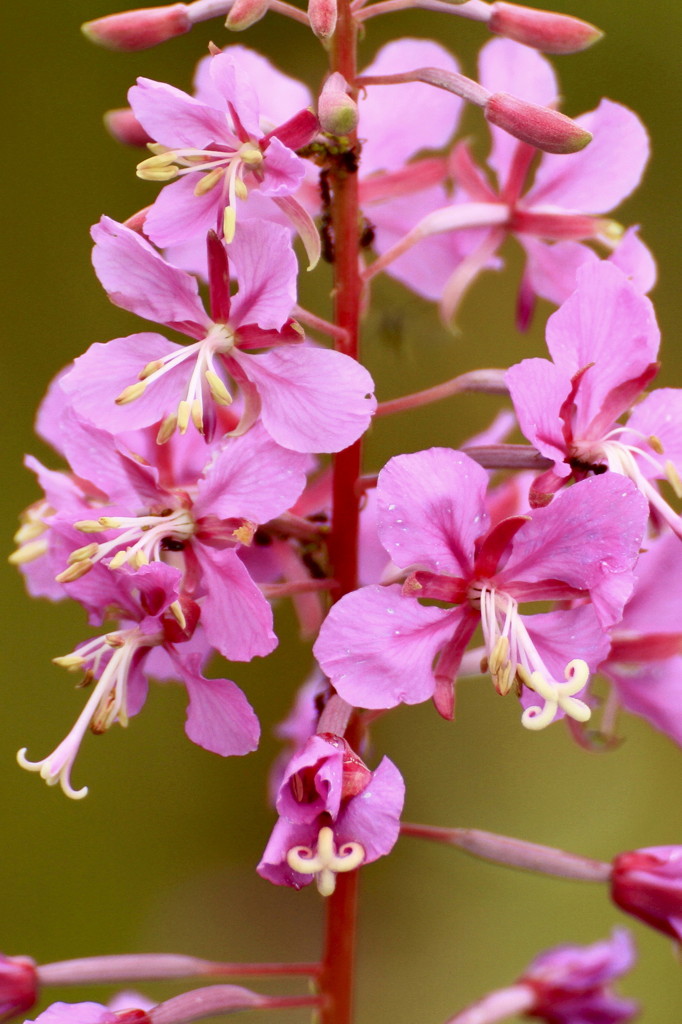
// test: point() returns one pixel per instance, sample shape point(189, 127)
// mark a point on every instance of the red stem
point(336, 980)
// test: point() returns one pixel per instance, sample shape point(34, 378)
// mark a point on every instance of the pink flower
point(335, 814)
point(308, 398)
point(156, 623)
point(90, 1013)
point(648, 884)
point(18, 985)
point(217, 149)
point(378, 644)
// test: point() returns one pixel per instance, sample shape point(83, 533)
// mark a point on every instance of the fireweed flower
point(569, 408)
point(564, 202)
point(156, 621)
point(378, 644)
point(648, 884)
point(308, 399)
point(335, 814)
point(218, 151)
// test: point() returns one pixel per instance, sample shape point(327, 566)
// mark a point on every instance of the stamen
point(209, 181)
point(219, 392)
point(556, 695)
point(325, 862)
point(28, 552)
point(130, 393)
point(673, 477)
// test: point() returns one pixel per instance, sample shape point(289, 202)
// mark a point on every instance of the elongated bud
point(245, 13)
point(18, 985)
point(322, 14)
point(337, 111)
point(543, 30)
point(138, 30)
point(538, 126)
point(648, 884)
point(123, 126)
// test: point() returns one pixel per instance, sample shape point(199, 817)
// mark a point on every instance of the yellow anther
point(158, 168)
point(656, 444)
point(178, 614)
point(150, 368)
point(114, 640)
point(110, 523)
point(29, 531)
point(130, 393)
point(81, 553)
point(89, 526)
point(119, 559)
point(208, 181)
point(251, 155)
point(74, 572)
point(71, 662)
point(167, 429)
point(28, 552)
point(198, 415)
point(229, 223)
point(673, 477)
point(184, 410)
point(219, 392)
point(244, 533)
point(240, 189)
point(612, 230)
point(139, 559)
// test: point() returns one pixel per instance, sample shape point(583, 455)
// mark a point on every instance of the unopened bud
point(648, 884)
point(245, 13)
point(322, 15)
point(337, 111)
point(138, 30)
point(543, 30)
point(18, 985)
point(541, 127)
point(123, 126)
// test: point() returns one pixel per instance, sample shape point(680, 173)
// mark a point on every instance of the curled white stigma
point(556, 695)
point(325, 862)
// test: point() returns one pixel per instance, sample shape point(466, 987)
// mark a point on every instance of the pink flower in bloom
point(335, 814)
point(572, 983)
point(564, 204)
point(378, 644)
point(89, 1013)
point(569, 407)
point(18, 985)
point(156, 622)
point(217, 149)
point(648, 884)
point(308, 398)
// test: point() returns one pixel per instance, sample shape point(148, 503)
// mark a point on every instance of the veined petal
point(378, 646)
point(653, 691)
point(552, 268)
point(266, 269)
point(219, 717)
point(236, 617)
point(660, 415)
point(232, 81)
point(178, 215)
point(173, 118)
point(636, 260)
point(284, 171)
point(373, 817)
point(431, 510)
point(538, 390)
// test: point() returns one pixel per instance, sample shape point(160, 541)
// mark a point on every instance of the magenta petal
point(605, 308)
point(173, 118)
point(656, 607)
point(538, 390)
point(373, 817)
point(75, 1013)
point(552, 268)
point(279, 96)
point(636, 260)
point(602, 174)
point(219, 717)
point(505, 66)
point(266, 269)
point(654, 692)
point(232, 81)
point(235, 486)
point(320, 765)
point(313, 400)
point(561, 636)
point(235, 615)
point(100, 375)
point(659, 414)
point(398, 121)
point(284, 171)
point(378, 647)
point(178, 215)
point(138, 279)
point(431, 509)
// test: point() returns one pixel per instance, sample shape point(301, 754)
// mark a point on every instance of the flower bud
point(18, 985)
point(648, 884)
point(337, 111)
point(538, 126)
point(138, 30)
point(544, 30)
point(123, 126)
point(322, 14)
point(245, 13)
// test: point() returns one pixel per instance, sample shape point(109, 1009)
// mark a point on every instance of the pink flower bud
point(337, 111)
point(18, 985)
point(245, 13)
point(648, 884)
point(538, 126)
point(322, 14)
point(544, 30)
point(123, 126)
point(138, 30)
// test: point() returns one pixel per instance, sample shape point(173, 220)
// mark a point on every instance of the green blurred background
point(161, 855)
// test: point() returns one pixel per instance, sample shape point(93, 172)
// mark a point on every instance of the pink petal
point(636, 260)
point(655, 606)
point(178, 215)
point(173, 118)
point(232, 81)
point(373, 817)
point(398, 121)
point(219, 717)
point(552, 268)
point(284, 171)
point(602, 174)
point(654, 692)
point(266, 269)
point(101, 374)
point(505, 66)
point(313, 400)
point(538, 390)
point(659, 414)
point(377, 647)
point(431, 510)
point(236, 617)
point(137, 278)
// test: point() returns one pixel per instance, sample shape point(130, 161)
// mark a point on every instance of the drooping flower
point(335, 815)
point(217, 149)
point(378, 644)
point(564, 203)
point(309, 399)
point(156, 622)
point(648, 884)
point(569, 407)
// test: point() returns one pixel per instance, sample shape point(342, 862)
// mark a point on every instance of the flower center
point(325, 861)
